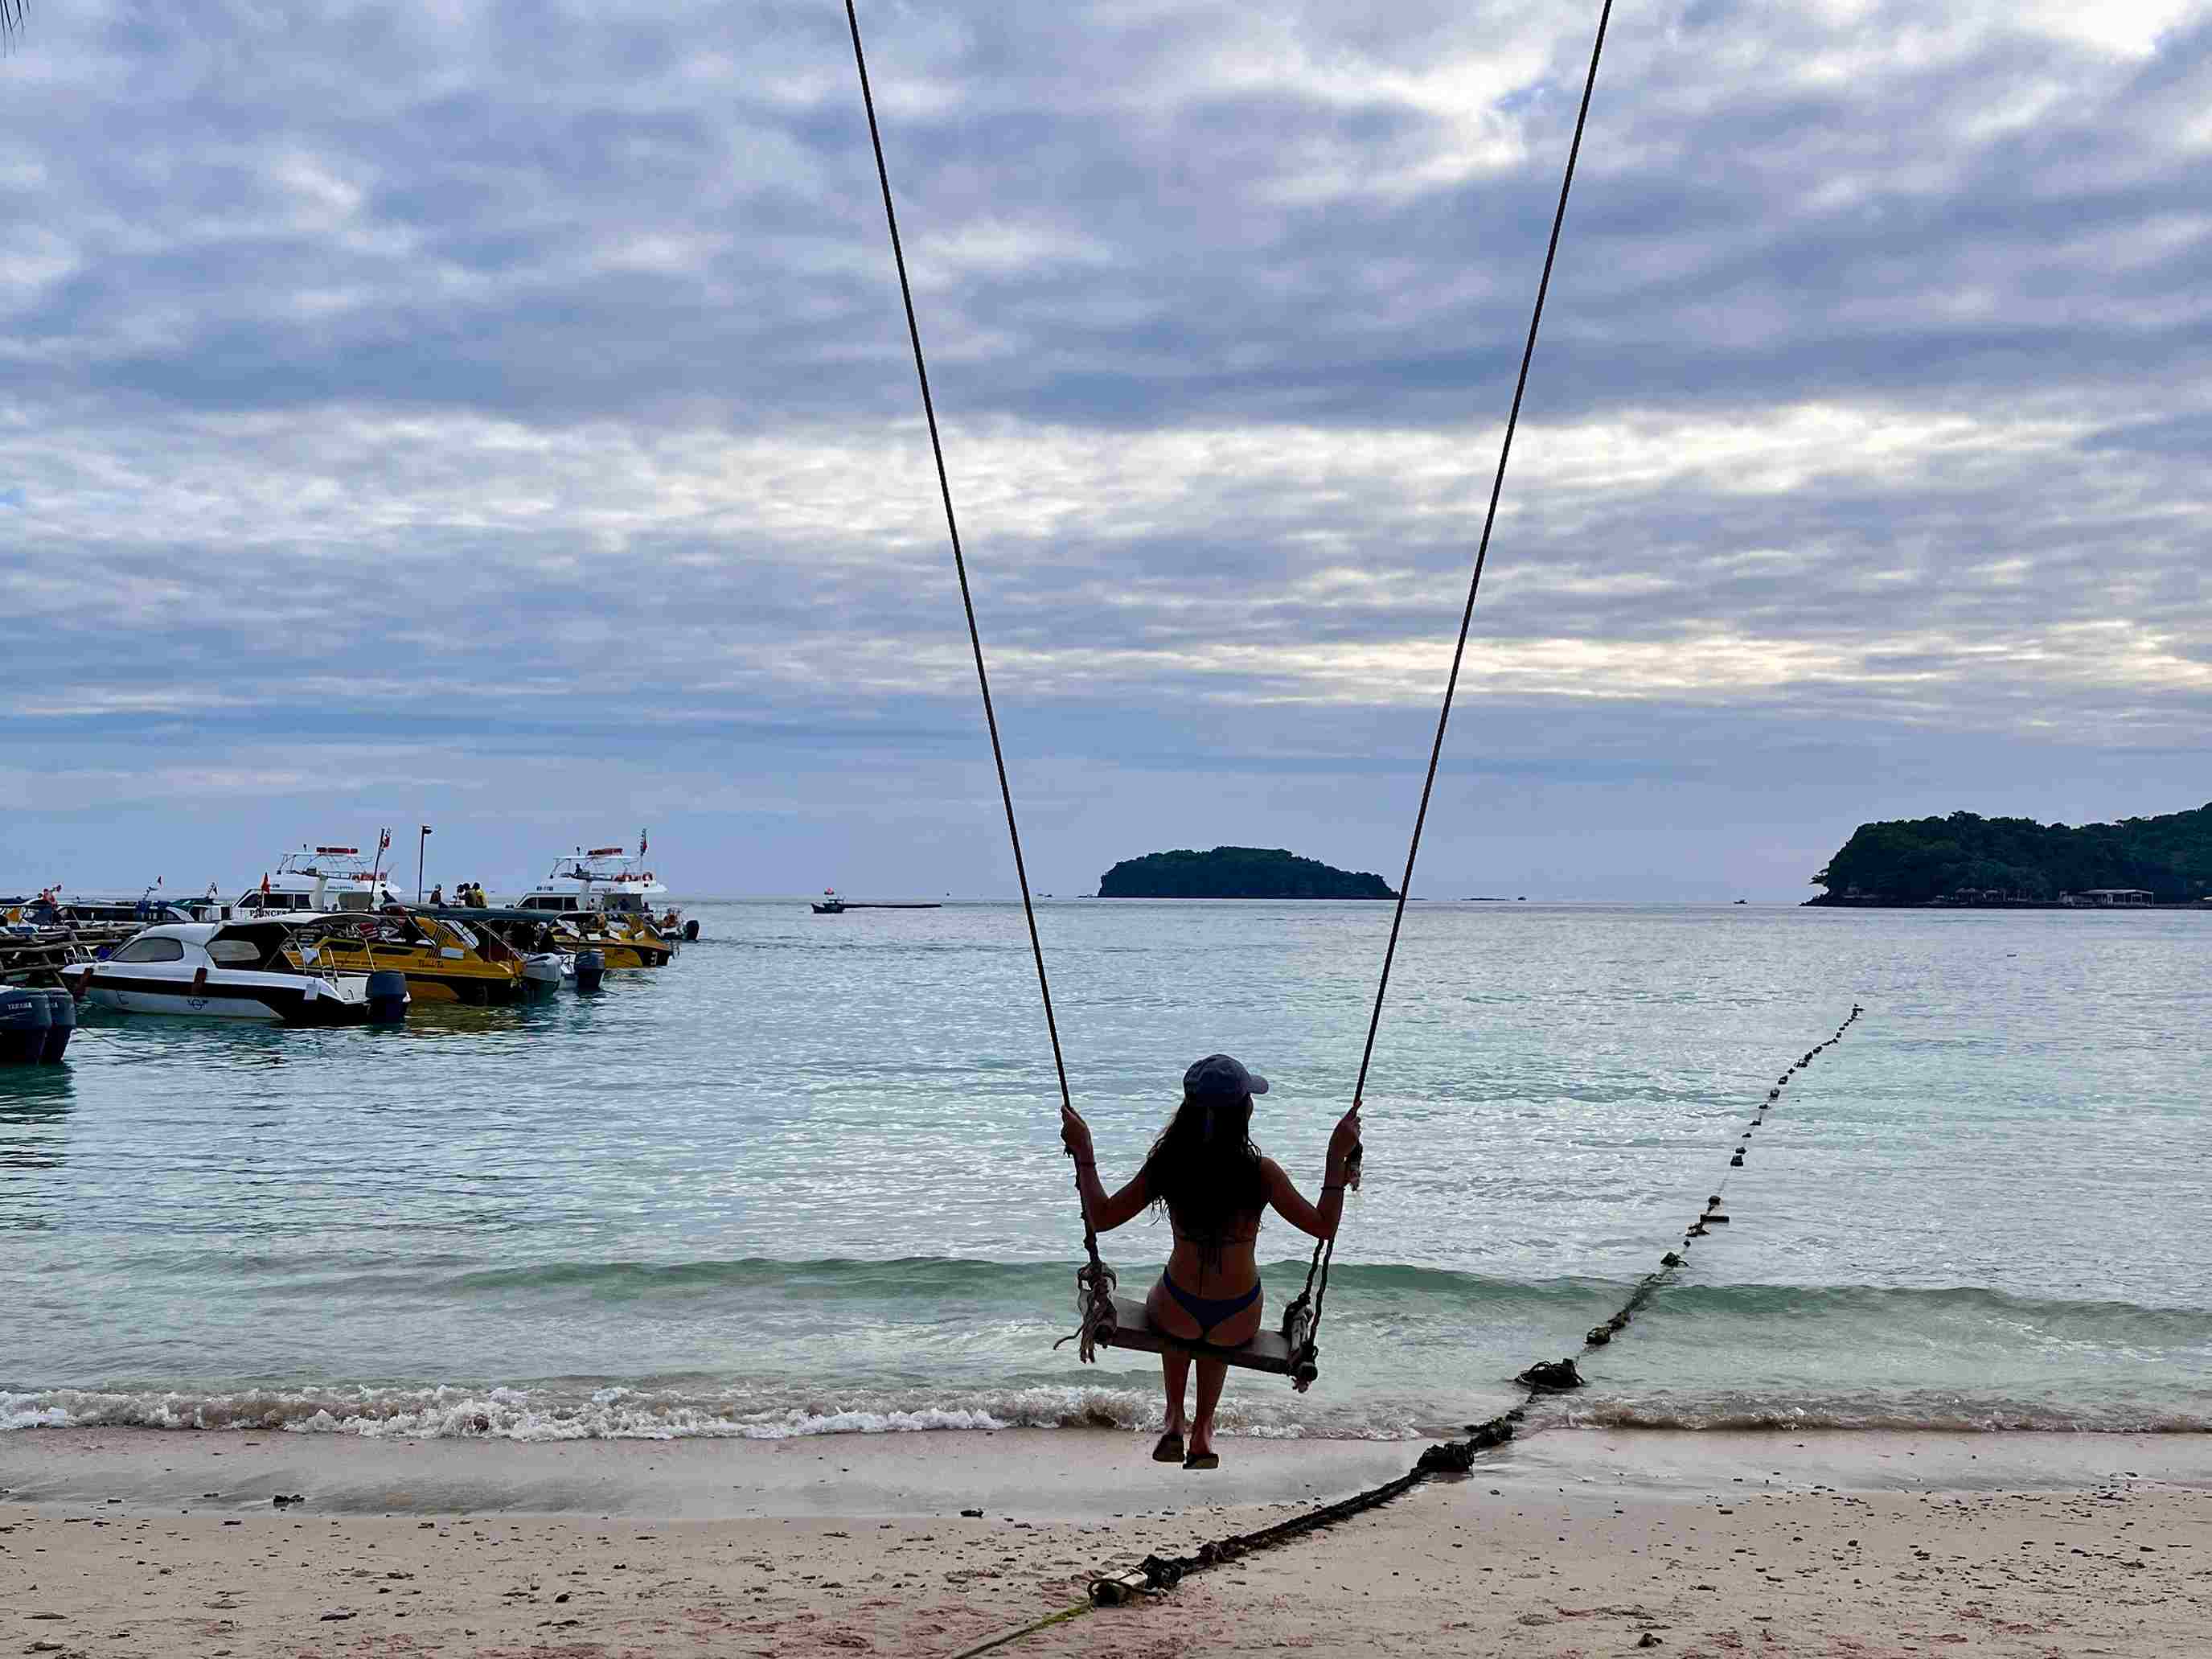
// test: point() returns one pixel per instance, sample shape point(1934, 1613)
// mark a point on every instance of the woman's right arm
point(1103, 1211)
point(1318, 1220)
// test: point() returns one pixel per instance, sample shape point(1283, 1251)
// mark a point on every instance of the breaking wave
point(633, 1413)
point(540, 1414)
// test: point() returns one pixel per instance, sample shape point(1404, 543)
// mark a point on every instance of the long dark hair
point(1205, 1169)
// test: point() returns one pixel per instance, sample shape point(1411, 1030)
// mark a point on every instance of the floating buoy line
point(1157, 1573)
point(1548, 1377)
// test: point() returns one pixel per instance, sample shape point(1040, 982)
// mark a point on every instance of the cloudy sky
point(498, 416)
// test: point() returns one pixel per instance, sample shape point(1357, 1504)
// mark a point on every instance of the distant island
point(1241, 872)
point(1966, 860)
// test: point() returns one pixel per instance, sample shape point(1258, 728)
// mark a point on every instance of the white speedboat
point(543, 970)
point(232, 970)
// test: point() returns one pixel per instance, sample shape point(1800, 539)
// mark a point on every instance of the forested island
point(1242, 872)
point(1966, 860)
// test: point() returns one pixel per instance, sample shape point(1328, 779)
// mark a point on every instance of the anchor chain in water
point(1158, 1572)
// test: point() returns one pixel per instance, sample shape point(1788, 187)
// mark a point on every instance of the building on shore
point(2104, 897)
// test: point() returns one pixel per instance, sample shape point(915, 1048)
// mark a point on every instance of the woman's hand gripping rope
point(1302, 1317)
point(1344, 1149)
point(1094, 1279)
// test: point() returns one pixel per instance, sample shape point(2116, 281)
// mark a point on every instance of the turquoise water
point(807, 1179)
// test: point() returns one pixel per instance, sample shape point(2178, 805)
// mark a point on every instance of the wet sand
point(129, 1541)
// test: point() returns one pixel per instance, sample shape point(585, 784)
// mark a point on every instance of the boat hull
point(443, 962)
point(270, 998)
point(628, 953)
point(475, 990)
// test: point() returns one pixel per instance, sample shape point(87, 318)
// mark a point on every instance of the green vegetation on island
point(1964, 859)
point(1241, 872)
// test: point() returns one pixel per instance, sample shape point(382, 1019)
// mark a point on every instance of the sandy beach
point(127, 1542)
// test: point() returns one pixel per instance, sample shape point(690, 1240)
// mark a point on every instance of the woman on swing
point(1214, 1184)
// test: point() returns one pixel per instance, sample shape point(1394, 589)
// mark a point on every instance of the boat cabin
point(256, 945)
point(318, 878)
point(603, 879)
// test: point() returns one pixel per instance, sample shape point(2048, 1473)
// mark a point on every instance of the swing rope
point(1095, 1280)
point(1325, 1250)
point(1096, 1274)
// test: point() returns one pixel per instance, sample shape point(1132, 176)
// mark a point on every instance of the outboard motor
point(24, 1024)
point(691, 931)
point(61, 1013)
point(387, 997)
point(591, 968)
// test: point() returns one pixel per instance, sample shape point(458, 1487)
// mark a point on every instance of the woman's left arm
point(1105, 1212)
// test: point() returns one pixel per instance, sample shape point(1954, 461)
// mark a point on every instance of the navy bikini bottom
point(1207, 1311)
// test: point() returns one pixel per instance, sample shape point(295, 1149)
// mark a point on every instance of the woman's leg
point(1173, 1369)
point(1212, 1374)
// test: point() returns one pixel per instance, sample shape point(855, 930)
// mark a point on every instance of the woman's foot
point(1202, 1455)
point(1169, 1447)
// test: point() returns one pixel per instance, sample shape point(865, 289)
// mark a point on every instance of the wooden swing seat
point(1266, 1352)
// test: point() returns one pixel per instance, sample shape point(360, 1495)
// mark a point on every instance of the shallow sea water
point(807, 1179)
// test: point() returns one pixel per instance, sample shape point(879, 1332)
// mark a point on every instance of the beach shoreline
point(1572, 1541)
point(1075, 1475)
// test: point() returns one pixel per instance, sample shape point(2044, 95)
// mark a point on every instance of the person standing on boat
point(438, 894)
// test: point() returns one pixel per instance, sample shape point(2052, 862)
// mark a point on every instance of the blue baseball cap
point(1222, 1074)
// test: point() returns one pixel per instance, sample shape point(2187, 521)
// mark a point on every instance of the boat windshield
point(152, 949)
point(264, 940)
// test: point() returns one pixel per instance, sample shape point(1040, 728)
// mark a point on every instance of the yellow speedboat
point(443, 960)
point(623, 943)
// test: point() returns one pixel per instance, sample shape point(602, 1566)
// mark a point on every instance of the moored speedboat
point(85, 915)
point(606, 895)
point(548, 947)
point(232, 970)
point(622, 944)
point(445, 960)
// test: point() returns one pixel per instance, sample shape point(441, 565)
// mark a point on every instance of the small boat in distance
point(830, 905)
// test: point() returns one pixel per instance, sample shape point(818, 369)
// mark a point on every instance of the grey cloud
point(660, 232)
point(482, 263)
